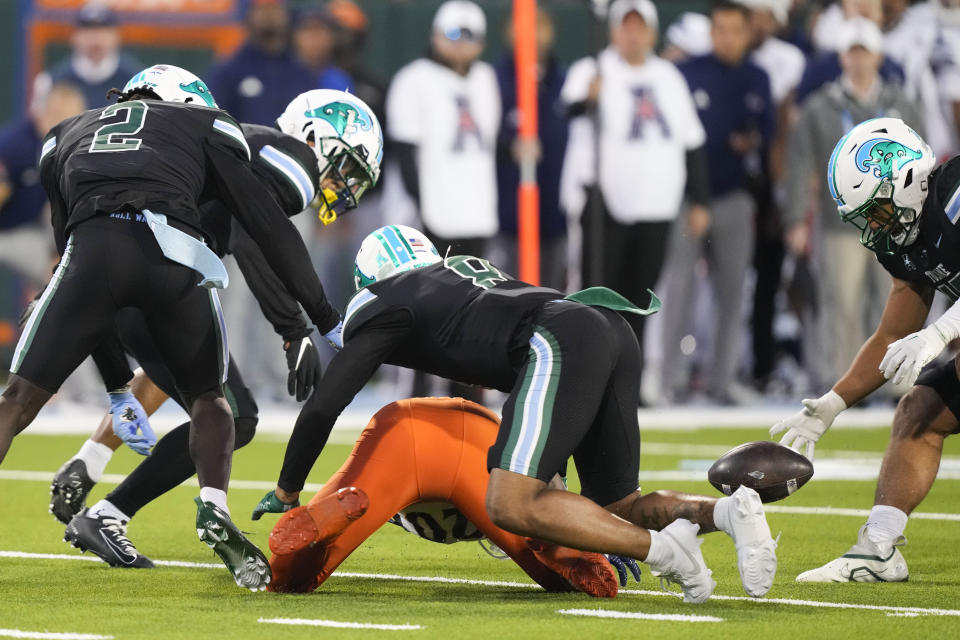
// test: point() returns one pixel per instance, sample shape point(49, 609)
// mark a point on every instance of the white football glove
point(906, 357)
point(805, 427)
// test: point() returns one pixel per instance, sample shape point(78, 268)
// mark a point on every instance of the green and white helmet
point(877, 175)
point(347, 139)
point(172, 84)
point(391, 250)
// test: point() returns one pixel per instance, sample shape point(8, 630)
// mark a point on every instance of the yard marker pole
point(528, 196)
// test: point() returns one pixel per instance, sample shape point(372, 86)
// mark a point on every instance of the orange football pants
point(421, 449)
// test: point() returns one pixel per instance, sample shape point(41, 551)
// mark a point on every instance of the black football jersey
point(933, 259)
point(139, 155)
point(470, 320)
point(171, 158)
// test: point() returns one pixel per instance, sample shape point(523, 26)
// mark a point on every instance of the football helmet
point(391, 250)
point(347, 139)
point(172, 84)
point(877, 175)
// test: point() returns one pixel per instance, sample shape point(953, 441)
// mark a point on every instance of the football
point(772, 470)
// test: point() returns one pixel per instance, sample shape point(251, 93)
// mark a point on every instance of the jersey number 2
point(120, 136)
point(482, 273)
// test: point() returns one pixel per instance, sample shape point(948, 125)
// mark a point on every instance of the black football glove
point(303, 365)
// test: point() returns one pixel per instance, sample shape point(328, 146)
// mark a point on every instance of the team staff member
point(650, 148)
point(416, 451)
point(289, 170)
point(733, 100)
point(112, 176)
point(571, 371)
point(881, 175)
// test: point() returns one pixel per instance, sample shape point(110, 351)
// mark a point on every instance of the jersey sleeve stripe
point(48, 146)
point(292, 170)
point(232, 131)
point(359, 301)
point(952, 208)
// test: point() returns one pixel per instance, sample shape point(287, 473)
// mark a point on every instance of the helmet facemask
point(885, 227)
point(344, 178)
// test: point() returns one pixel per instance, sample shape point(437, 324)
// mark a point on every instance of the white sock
point(721, 514)
point(885, 524)
point(106, 508)
point(216, 496)
point(95, 456)
point(660, 554)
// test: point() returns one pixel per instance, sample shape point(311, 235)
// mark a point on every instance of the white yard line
point(637, 615)
point(18, 633)
point(342, 625)
point(524, 585)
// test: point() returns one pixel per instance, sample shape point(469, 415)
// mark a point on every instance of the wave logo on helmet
point(198, 88)
point(879, 155)
point(343, 116)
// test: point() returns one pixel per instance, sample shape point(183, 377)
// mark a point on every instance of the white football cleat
point(756, 549)
point(686, 566)
point(865, 562)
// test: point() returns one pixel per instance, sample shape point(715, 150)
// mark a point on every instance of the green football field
point(419, 589)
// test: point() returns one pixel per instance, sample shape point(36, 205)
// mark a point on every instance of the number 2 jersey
point(461, 318)
point(933, 259)
point(171, 158)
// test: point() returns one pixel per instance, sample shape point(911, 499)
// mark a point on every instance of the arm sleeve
point(698, 178)
point(276, 303)
point(111, 361)
point(406, 155)
point(276, 236)
point(348, 372)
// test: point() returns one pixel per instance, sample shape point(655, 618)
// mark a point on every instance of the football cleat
point(756, 549)
point(69, 490)
point(319, 522)
point(105, 537)
point(865, 562)
point(588, 572)
point(245, 561)
point(687, 567)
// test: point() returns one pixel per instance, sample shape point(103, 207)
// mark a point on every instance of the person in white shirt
point(443, 113)
point(443, 116)
point(650, 153)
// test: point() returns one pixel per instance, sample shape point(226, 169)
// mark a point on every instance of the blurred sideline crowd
point(687, 158)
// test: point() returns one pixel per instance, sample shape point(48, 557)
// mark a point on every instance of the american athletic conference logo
point(878, 155)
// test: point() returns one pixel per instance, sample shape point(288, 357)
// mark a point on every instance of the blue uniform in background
point(19, 151)
point(729, 100)
point(255, 87)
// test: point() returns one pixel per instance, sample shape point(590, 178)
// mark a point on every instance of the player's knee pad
point(245, 430)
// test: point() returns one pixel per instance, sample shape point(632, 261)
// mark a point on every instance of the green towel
point(610, 299)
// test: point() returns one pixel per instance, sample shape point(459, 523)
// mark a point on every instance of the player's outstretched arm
point(363, 353)
point(905, 312)
point(281, 243)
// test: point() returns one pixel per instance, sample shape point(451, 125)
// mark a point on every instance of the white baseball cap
point(779, 8)
point(621, 8)
point(458, 18)
point(861, 32)
point(691, 34)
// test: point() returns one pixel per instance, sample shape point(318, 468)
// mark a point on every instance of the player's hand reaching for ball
point(805, 427)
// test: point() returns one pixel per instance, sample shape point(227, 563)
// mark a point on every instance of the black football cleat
point(105, 537)
point(69, 490)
